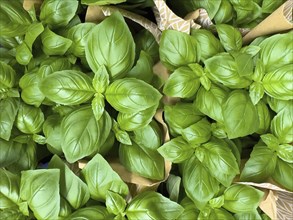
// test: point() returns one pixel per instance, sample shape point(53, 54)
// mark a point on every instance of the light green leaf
point(204, 188)
point(256, 92)
point(217, 202)
point(73, 189)
point(173, 187)
point(177, 49)
point(248, 216)
point(230, 37)
point(260, 166)
point(81, 138)
point(152, 205)
point(115, 48)
point(282, 174)
point(79, 35)
point(143, 161)
point(101, 2)
point(240, 115)
point(242, 198)
point(23, 54)
point(183, 83)
point(264, 115)
point(198, 133)
point(100, 178)
point(131, 95)
point(12, 213)
point(98, 105)
point(40, 188)
point(210, 213)
point(9, 108)
point(15, 21)
point(7, 76)
point(121, 135)
point(58, 13)
point(176, 150)
point(101, 80)
point(279, 83)
point(219, 160)
point(29, 119)
point(10, 152)
point(285, 152)
point(190, 210)
point(65, 208)
point(67, 87)
point(89, 213)
point(209, 44)
point(180, 116)
point(115, 203)
point(54, 44)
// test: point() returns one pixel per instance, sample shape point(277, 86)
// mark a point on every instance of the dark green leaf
point(282, 174)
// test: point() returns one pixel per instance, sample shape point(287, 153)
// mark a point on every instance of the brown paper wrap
point(280, 20)
point(167, 19)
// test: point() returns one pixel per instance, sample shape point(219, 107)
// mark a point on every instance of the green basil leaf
point(219, 160)
point(176, 150)
point(101, 2)
point(115, 48)
point(27, 160)
point(224, 13)
point(14, 19)
point(242, 198)
point(9, 108)
point(143, 161)
point(54, 44)
point(264, 116)
point(58, 13)
point(260, 166)
point(83, 137)
point(79, 35)
point(275, 52)
point(115, 203)
point(131, 95)
point(23, 54)
point(279, 83)
point(33, 32)
point(210, 213)
point(217, 202)
point(256, 92)
point(173, 187)
point(210, 102)
point(190, 210)
point(209, 44)
point(152, 205)
point(29, 119)
point(251, 50)
point(270, 6)
point(285, 152)
point(121, 135)
point(246, 11)
point(199, 185)
point(9, 189)
point(180, 116)
point(145, 41)
point(282, 125)
point(67, 87)
point(150, 136)
point(40, 188)
point(98, 105)
point(101, 80)
point(177, 49)
point(282, 174)
point(244, 63)
point(7, 76)
point(12, 213)
point(52, 132)
point(30, 91)
point(248, 216)
point(10, 152)
point(88, 213)
point(230, 37)
point(143, 69)
point(65, 208)
point(100, 178)
point(183, 83)
point(240, 115)
point(278, 105)
point(197, 133)
point(225, 72)
point(73, 189)
point(137, 120)
point(218, 130)
point(53, 64)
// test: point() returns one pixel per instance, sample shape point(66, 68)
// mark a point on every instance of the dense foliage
point(73, 91)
